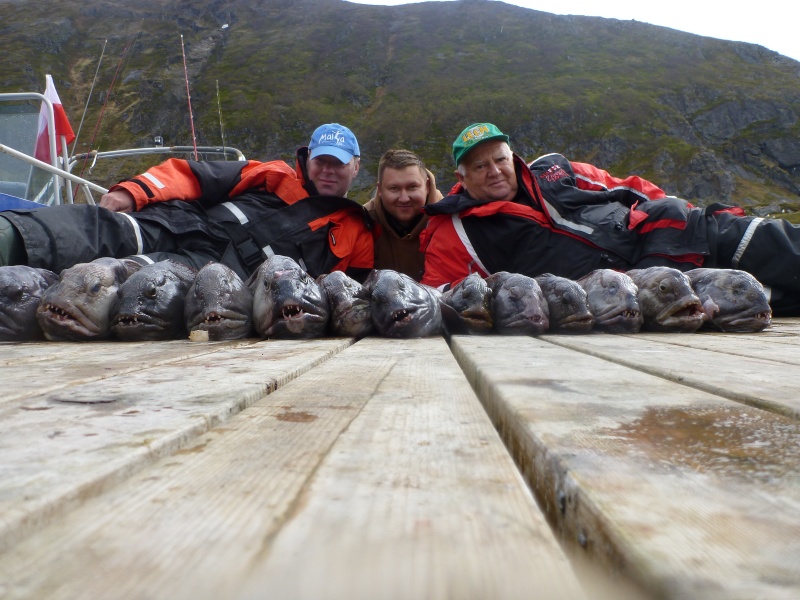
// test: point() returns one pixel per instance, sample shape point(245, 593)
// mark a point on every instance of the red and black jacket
point(263, 208)
point(568, 219)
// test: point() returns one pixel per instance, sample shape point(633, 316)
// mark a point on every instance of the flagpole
point(64, 158)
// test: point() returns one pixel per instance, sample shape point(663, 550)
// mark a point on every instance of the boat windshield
point(18, 127)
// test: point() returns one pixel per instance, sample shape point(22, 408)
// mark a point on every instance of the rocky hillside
point(707, 120)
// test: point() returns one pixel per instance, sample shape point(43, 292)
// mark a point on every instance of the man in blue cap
point(333, 159)
point(235, 212)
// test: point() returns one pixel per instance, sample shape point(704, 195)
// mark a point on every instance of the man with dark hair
point(569, 218)
point(404, 187)
point(235, 212)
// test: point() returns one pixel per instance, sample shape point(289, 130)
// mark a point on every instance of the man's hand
point(118, 201)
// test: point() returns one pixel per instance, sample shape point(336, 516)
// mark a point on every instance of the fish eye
point(663, 286)
point(95, 288)
point(151, 291)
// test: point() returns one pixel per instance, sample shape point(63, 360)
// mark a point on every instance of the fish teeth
point(59, 312)
point(291, 311)
point(401, 315)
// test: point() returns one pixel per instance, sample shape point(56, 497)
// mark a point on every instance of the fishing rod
point(189, 99)
point(89, 97)
point(221, 131)
point(108, 96)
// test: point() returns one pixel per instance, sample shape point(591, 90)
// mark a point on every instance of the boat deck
point(596, 466)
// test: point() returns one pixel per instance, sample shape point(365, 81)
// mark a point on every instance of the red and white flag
point(42, 151)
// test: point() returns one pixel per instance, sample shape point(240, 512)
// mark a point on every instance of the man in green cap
point(569, 218)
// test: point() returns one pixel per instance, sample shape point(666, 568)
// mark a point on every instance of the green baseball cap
point(475, 134)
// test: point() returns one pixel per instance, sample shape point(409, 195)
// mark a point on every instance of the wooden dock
point(558, 467)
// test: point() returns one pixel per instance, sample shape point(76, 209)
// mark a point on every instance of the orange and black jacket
point(568, 219)
point(263, 208)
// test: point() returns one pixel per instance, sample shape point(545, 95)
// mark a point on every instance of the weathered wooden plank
point(686, 493)
point(768, 344)
point(32, 369)
point(772, 369)
point(74, 439)
point(375, 475)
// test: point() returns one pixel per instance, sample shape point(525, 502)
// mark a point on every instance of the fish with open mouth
point(287, 302)
point(351, 315)
point(467, 307)
point(149, 304)
point(612, 298)
point(220, 303)
point(732, 300)
point(519, 306)
point(21, 290)
point(401, 307)
point(667, 300)
point(78, 306)
point(567, 304)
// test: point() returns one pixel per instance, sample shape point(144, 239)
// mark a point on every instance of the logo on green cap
point(473, 135)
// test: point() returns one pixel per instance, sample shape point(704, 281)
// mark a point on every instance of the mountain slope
point(706, 119)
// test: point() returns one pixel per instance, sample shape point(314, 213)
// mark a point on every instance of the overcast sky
point(771, 24)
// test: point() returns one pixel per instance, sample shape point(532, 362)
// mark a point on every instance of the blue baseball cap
point(335, 140)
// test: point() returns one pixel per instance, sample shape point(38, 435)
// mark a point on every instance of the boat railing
point(94, 155)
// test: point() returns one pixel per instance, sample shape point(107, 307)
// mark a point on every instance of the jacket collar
point(301, 167)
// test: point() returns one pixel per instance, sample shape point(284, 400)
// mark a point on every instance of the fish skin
point(518, 304)
point(467, 307)
point(150, 303)
point(21, 290)
point(78, 306)
point(667, 300)
point(351, 315)
point(401, 307)
point(220, 303)
point(567, 304)
point(287, 302)
point(612, 298)
point(733, 300)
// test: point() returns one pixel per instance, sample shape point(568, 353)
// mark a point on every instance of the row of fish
point(653, 299)
point(117, 298)
point(166, 300)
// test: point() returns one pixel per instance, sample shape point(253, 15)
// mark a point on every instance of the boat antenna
point(189, 99)
point(89, 97)
point(221, 130)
